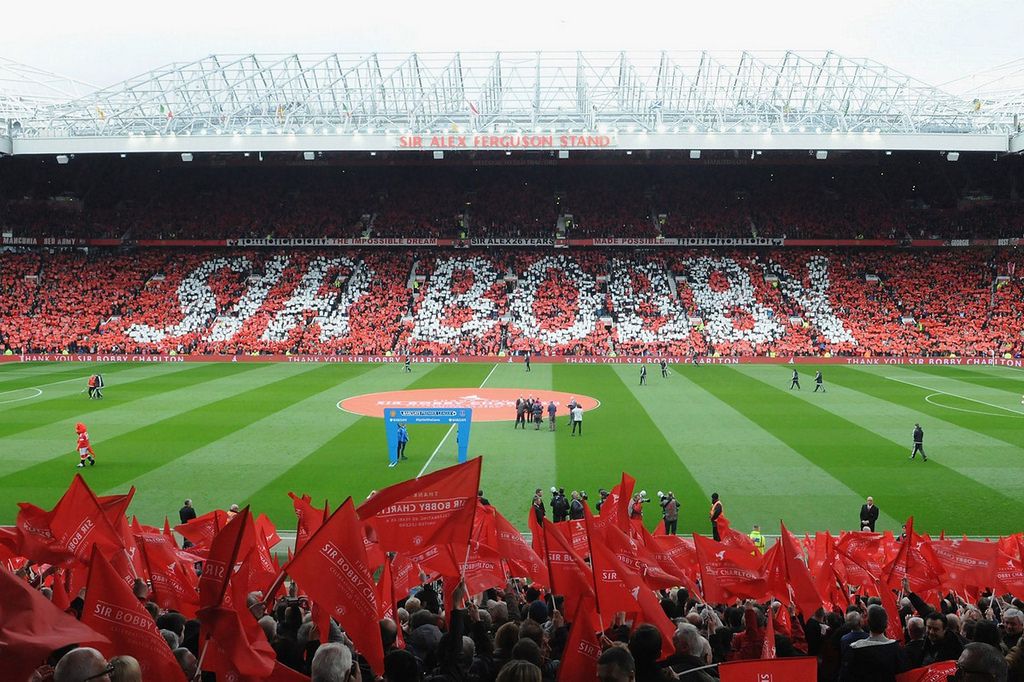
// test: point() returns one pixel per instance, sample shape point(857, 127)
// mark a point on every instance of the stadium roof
point(512, 101)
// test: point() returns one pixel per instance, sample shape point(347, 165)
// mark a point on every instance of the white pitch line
point(955, 395)
point(52, 383)
point(452, 427)
point(38, 393)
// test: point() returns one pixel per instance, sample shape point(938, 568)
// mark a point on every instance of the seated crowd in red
point(784, 301)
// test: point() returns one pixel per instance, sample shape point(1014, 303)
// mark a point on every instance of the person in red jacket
point(85, 451)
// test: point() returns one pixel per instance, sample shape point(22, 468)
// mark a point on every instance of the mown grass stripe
point(1003, 389)
point(621, 436)
point(1004, 428)
point(355, 460)
point(126, 457)
point(515, 461)
point(728, 454)
point(67, 402)
point(227, 470)
point(946, 443)
point(48, 375)
point(866, 462)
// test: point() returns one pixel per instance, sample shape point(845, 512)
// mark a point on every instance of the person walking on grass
point(819, 382)
point(918, 443)
point(85, 451)
point(796, 381)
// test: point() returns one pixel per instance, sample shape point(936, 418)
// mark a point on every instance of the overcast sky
point(105, 42)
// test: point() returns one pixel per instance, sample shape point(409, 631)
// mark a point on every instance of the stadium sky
point(104, 42)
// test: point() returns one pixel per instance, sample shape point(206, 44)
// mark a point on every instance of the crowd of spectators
point(477, 302)
point(519, 632)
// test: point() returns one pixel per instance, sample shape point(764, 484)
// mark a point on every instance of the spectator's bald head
point(79, 664)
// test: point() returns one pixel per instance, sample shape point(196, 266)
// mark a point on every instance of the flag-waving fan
point(786, 571)
point(237, 641)
point(617, 586)
point(570, 575)
point(579, 660)
point(333, 570)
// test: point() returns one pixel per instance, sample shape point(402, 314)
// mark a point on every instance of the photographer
point(604, 496)
point(636, 508)
point(669, 511)
point(559, 505)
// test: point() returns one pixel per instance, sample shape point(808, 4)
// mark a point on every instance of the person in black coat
point(187, 513)
point(942, 644)
point(868, 515)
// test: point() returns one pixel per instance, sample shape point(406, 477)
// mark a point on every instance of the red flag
point(1009, 575)
point(494, 530)
point(435, 509)
point(913, 561)
point(667, 558)
point(936, 672)
point(78, 522)
point(238, 642)
point(768, 643)
point(862, 557)
point(785, 570)
point(332, 568)
point(728, 573)
point(822, 554)
point(536, 536)
point(309, 518)
point(113, 610)
point(965, 563)
point(618, 586)
point(201, 530)
point(733, 538)
point(35, 539)
point(804, 669)
point(579, 659)
point(386, 598)
point(31, 628)
point(894, 628)
point(570, 576)
point(174, 580)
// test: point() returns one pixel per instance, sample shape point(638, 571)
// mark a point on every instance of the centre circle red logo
point(488, 404)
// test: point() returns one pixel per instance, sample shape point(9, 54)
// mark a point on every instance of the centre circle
point(488, 404)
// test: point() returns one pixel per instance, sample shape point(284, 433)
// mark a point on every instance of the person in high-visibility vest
point(757, 538)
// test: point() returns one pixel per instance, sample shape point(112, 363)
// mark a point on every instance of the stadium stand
point(478, 302)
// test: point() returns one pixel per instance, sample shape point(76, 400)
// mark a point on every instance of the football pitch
point(248, 433)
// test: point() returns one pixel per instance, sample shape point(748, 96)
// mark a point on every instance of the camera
point(643, 496)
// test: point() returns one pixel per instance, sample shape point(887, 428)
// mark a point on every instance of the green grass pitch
point(251, 432)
